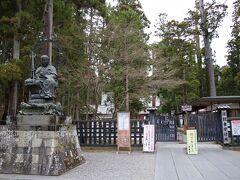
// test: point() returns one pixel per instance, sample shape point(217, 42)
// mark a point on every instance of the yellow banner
point(192, 142)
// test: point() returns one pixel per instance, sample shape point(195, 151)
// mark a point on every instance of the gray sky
point(177, 9)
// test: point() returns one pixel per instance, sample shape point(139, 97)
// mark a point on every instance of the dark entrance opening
point(166, 128)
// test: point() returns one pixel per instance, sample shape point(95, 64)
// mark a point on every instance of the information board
point(149, 138)
point(192, 142)
point(235, 127)
point(123, 132)
point(186, 108)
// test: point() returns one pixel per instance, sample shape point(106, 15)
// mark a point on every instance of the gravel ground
point(104, 166)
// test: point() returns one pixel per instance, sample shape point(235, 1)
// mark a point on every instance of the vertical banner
point(192, 142)
point(225, 127)
point(123, 132)
point(149, 138)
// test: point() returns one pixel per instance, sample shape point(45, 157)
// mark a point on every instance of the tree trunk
point(63, 102)
point(77, 107)
point(12, 104)
point(47, 29)
point(127, 92)
point(90, 59)
point(208, 53)
point(68, 102)
point(5, 112)
point(12, 107)
point(210, 66)
point(199, 62)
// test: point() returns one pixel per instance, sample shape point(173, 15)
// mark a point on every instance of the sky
point(177, 9)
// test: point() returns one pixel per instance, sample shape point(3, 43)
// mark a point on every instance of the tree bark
point(208, 52)
point(12, 103)
point(77, 107)
point(210, 66)
point(127, 92)
point(199, 62)
point(12, 107)
point(47, 29)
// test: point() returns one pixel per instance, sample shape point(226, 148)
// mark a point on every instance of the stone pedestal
point(39, 144)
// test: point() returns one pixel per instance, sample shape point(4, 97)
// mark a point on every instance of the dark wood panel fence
point(207, 125)
point(166, 128)
point(104, 132)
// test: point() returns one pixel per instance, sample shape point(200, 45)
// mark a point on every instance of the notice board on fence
point(192, 142)
point(235, 127)
point(149, 138)
point(123, 132)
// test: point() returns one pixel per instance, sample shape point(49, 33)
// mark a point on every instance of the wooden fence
point(104, 132)
point(207, 125)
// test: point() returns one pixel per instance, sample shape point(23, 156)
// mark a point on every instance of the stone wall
point(48, 152)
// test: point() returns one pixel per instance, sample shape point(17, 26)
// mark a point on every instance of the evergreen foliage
point(105, 49)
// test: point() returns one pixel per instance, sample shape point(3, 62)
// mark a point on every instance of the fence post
point(152, 115)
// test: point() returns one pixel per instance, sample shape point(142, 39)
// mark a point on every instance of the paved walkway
point(104, 166)
point(170, 162)
point(212, 163)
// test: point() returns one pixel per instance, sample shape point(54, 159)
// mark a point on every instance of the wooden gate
point(208, 126)
point(166, 128)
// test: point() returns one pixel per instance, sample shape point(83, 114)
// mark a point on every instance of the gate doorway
point(208, 126)
point(166, 128)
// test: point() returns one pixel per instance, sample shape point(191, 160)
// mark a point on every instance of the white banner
point(235, 127)
point(149, 138)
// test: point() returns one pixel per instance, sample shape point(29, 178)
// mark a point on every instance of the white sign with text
point(149, 138)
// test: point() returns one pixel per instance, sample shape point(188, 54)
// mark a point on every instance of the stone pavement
point(170, 162)
point(211, 163)
point(104, 166)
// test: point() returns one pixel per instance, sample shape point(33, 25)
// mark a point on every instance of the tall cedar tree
point(127, 57)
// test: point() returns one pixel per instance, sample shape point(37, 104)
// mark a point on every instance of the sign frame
point(123, 131)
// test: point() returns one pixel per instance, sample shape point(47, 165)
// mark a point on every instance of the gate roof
point(209, 101)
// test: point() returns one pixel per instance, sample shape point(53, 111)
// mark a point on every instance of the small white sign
point(186, 108)
point(149, 138)
point(123, 120)
point(235, 127)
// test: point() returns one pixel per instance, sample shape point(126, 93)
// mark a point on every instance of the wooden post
point(47, 29)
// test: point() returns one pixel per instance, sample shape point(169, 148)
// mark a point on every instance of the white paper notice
point(235, 127)
point(123, 120)
point(149, 138)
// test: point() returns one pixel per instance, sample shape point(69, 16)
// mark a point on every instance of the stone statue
point(41, 90)
point(45, 78)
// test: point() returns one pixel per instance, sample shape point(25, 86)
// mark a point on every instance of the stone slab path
point(169, 162)
point(211, 163)
point(103, 166)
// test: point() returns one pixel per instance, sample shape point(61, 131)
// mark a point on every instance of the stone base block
point(42, 120)
point(39, 152)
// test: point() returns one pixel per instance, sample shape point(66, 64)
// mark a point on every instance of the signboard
point(192, 142)
point(149, 138)
point(123, 132)
point(186, 108)
point(123, 121)
point(225, 127)
point(235, 127)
